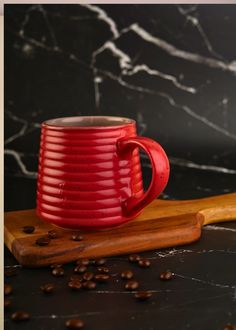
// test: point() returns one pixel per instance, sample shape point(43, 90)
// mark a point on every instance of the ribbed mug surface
point(83, 181)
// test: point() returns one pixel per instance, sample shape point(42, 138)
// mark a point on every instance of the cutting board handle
point(209, 209)
point(218, 214)
point(215, 209)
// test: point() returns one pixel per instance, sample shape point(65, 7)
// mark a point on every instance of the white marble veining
point(188, 56)
point(223, 286)
point(172, 102)
point(202, 167)
point(129, 70)
point(220, 228)
point(50, 29)
point(13, 266)
point(124, 59)
point(26, 127)
point(152, 72)
point(102, 15)
point(97, 81)
point(18, 158)
point(173, 252)
point(27, 17)
point(195, 22)
point(189, 164)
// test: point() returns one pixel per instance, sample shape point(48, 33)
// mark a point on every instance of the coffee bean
point(166, 276)
point(83, 262)
point(76, 278)
point(99, 262)
point(28, 229)
point(11, 271)
point(89, 285)
point(42, 241)
point(7, 303)
point(58, 271)
point(76, 237)
point(20, 316)
point(131, 285)
point(75, 285)
point(52, 234)
point(142, 295)
point(88, 276)
point(103, 270)
point(134, 258)
point(144, 263)
point(127, 275)
point(56, 266)
point(47, 288)
point(7, 289)
point(80, 269)
point(230, 327)
point(101, 278)
point(74, 324)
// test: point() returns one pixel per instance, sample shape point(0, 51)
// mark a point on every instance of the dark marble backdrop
point(170, 67)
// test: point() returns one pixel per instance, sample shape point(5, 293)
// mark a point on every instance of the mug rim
point(121, 122)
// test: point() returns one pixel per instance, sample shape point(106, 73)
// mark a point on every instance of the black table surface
point(202, 294)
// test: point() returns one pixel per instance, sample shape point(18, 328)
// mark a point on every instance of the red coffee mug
point(89, 173)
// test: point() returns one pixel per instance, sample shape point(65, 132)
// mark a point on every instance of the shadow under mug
point(89, 174)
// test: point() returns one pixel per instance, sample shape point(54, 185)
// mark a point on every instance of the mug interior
point(89, 121)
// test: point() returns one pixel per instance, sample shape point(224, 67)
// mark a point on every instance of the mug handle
point(160, 171)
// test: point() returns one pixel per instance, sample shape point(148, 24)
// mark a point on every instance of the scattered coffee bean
point(47, 288)
point(76, 278)
point(75, 285)
point(142, 295)
point(83, 262)
point(134, 258)
point(7, 289)
point(144, 263)
point(56, 266)
point(11, 271)
point(230, 327)
point(28, 229)
point(80, 269)
point(58, 271)
point(20, 316)
point(76, 237)
point(7, 303)
point(166, 276)
point(88, 276)
point(131, 285)
point(127, 275)
point(42, 241)
point(101, 278)
point(103, 270)
point(99, 262)
point(89, 285)
point(52, 234)
point(74, 324)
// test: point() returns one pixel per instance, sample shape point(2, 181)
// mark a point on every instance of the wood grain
point(162, 224)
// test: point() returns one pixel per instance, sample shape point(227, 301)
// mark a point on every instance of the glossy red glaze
point(90, 176)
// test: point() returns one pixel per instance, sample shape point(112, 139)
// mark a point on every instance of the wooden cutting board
point(162, 224)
